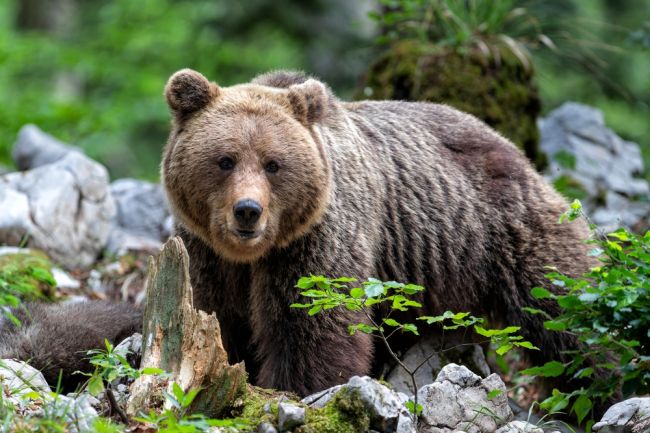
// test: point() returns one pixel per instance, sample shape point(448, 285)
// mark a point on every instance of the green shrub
point(609, 311)
point(323, 294)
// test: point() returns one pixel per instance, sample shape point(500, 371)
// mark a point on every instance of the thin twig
point(399, 361)
point(115, 406)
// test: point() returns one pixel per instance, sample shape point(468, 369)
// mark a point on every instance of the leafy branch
point(324, 293)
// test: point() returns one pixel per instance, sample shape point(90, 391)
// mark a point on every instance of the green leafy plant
point(177, 420)
point(23, 277)
point(609, 311)
point(484, 25)
point(111, 364)
point(325, 294)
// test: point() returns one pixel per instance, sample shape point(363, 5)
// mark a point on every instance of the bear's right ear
point(188, 91)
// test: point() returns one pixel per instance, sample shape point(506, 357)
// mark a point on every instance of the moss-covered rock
point(345, 413)
point(500, 91)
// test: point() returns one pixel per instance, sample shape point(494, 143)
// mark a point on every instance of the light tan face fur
point(244, 144)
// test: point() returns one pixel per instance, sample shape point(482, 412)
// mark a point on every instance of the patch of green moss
point(251, 410)
point(500, 90)
point(27, 276)
point(345, 413)
point(570, 188)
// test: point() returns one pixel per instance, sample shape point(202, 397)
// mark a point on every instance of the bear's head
point(244, 168)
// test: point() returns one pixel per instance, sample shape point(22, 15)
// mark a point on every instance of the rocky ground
point(99, 234)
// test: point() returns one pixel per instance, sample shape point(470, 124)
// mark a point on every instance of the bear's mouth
point(247, 234)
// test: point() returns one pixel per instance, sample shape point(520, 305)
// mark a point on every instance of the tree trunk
point(183, 341)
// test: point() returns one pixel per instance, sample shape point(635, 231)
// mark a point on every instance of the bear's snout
point(247, 212)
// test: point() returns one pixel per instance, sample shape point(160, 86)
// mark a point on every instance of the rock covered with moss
point(457, 400)
point(499, 90)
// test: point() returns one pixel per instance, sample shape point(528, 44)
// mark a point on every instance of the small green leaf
point(392, 322)
point(314, 310)
point(503, 349)
point(95, 385)
point(553, 325)
point(540, 293)
point(305, 283)
point(526, 345)
point(550, 369)
point(585, 372)
point(582, 406)
point(410, 327)
point(373, 290)
point(410, 405)
point(357, 293)
point(494, 393)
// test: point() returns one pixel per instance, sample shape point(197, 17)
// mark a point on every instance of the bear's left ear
point(310, 101)
point(188, 91)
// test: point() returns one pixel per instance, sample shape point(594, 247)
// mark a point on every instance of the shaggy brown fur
point(412, 192)
point(55, 338)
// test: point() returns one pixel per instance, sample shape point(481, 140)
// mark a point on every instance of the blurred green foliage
point(602, 59)
point(98, 83)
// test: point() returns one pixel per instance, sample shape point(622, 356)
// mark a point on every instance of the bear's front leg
point(301, 353)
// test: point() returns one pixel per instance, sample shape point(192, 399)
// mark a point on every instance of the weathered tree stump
point(183, 341)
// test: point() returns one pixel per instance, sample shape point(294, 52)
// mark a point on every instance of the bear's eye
point(271, 167)
point(226, 163)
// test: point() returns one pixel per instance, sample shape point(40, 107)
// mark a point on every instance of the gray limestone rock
point(290, 416)
point(63, 208)
point(18, 379)
point(386, 408)
point(581, 148)
point(34, 148)
point(458, 400)
point(266, 427)
point(422, 351)
point(141, 222)
point(629, 416)
point(519, 427)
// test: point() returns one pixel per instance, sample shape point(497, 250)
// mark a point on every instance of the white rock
point(320, 399)
point(266, 427)
point(141, 222)
point(383, 405)
point(624, 416)
point(64, 280)
point(519, 427)
point(457, 400)
point(19, 379)
point(34, 148)
point(65, 208)
point(422, 351)
point(78, 412)
point(386, 407)
point(604, 164)
point(290, 416)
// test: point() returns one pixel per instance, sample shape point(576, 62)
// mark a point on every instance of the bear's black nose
point(247, 212)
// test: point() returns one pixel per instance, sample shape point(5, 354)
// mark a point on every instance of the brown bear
point(278, 179)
